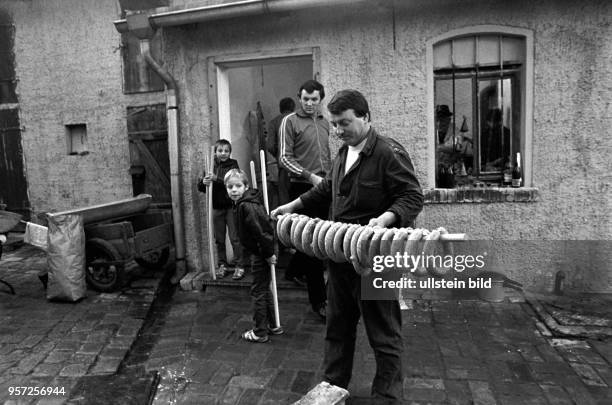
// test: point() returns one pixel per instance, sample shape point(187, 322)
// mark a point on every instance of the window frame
point(525, 78)
point(513, 73)
point(137, 76)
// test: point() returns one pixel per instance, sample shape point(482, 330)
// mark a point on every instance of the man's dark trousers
point(383, 323)
point(301, 263)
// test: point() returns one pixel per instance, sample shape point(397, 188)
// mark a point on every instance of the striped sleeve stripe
point(284, 160)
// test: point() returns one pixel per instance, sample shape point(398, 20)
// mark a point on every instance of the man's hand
point(287, 208)
point(314, 179)
point(2, 239)
point(271, 260)
point(383, 220)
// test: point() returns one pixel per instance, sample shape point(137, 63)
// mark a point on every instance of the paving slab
point(57, 344)
point(456, 351)
point(184, 347)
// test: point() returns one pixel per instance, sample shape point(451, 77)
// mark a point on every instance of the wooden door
point(150, 164)
point(13, 183)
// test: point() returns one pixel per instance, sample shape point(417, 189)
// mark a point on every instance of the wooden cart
point(117, 233)
point(145, 238)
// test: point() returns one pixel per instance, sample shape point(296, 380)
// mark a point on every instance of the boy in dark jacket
point(256, 235)
point(222, 210)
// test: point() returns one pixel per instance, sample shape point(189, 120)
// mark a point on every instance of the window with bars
point(478, 89)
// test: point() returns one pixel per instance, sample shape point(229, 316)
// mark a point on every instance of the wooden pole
point(253, 176)
point(210, 164)
point(264, 180)
point(264, 186)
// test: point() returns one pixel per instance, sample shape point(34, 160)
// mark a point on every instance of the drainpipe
point(139, 25)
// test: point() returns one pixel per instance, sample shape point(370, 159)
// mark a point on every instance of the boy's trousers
point(223, 218)
point(263, 308)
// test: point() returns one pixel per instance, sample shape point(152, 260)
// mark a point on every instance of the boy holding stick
point(223, 218)
point(257, 236)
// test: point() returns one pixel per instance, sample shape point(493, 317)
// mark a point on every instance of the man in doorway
point(286, 107)
point(372, 182)
point(304, 153)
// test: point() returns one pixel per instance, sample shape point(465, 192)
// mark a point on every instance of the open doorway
point(245, 94)
point(252, 85)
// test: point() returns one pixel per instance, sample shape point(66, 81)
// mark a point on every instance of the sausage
point(284, 234)
point(330, 252)
point(374, 249)
point(386, 240)
point(353, 244)
point(307, 235)
point(314, 242)
point(319, 247)
point(338, 252)
point(296, 232)
point(346, 241)
point(446, 249)
point(398, 242)
point(279, 221)
point(429, 248)
point(413, 248)
point(363, 245)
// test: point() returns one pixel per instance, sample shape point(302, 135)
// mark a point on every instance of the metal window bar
point(453, 92)
point(501, 79)
point(476, 108)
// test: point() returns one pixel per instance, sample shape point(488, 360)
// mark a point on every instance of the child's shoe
point(221, 270)
point(275, 331)
point(250, 336)
point(238, 273)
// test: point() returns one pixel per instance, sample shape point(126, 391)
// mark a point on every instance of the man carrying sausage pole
point(372, 182)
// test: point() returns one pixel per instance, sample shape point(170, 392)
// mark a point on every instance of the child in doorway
point(256, 235)
point(223, 218)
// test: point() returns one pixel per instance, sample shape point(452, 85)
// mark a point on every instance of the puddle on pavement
point(584, 310)
point(574, 316)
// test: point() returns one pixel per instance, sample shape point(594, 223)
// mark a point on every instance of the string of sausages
point(359, 244)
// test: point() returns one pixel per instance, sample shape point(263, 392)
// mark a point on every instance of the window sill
point(482, 195)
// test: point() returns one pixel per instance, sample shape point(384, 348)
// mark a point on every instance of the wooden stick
point(264, 180)
point(253, 176)
point(209, 163)
point(453, 237)
point(264, 187)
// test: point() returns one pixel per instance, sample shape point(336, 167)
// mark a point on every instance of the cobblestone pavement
point(54, 344)
point(456, 351)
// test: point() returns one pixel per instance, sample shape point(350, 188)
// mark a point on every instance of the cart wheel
point(154, 260)
point(101, 275)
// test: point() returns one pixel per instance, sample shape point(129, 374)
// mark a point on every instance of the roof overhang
point(166, 16)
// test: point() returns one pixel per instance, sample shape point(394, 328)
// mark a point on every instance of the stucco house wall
point(382, 52)
point(69, 71)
